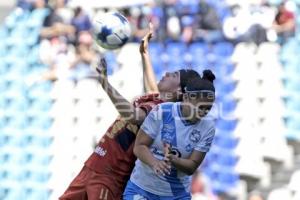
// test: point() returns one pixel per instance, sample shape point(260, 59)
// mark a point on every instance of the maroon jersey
point(113, 157)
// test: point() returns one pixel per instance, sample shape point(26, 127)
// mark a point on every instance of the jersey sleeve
point(147, 102)
point(204, 144)
point(152, 123)
point(147, 107)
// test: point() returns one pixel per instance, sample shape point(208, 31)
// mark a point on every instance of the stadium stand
point(49, 127)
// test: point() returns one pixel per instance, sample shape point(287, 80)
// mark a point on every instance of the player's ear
point(179, 93)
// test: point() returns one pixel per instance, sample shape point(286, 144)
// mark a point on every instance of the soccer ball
point(111, 30)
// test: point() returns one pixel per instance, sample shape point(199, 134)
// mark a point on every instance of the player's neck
point(168, 97)
point(186, 114)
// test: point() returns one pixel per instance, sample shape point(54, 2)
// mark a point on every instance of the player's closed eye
point(193, 96)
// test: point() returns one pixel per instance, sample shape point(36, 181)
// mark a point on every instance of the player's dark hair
point(185, 76)
point(204, 84)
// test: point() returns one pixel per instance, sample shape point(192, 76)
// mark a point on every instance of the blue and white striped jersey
point(165, 123)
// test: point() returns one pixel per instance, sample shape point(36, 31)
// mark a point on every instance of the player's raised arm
point(124, 107)
point(149, 75)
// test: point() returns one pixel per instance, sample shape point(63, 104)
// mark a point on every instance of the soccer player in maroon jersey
point(107, 170)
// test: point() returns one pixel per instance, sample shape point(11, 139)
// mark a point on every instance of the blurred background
point(52, 114)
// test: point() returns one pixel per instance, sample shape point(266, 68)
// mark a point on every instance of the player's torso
point(180, 134)
point(184, 138)
point(113, 157)
point(114, 152)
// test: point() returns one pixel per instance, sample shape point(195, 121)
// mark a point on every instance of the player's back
point(113, 157)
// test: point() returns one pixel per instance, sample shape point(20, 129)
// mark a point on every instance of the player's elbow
point(191, 171)
point(136, 149)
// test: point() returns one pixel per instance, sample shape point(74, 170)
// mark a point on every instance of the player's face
point(170, 82)
point(199, 104)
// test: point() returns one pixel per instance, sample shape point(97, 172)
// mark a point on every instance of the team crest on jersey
point(195, 136)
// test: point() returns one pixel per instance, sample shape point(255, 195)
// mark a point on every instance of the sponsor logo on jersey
point(100, 151)
point(168, 133)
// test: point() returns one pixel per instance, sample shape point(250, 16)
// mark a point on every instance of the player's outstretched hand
point(161, 167)
point(145, 41)
point(102, 71)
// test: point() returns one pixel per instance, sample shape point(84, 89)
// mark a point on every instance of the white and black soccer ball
point(111, 30)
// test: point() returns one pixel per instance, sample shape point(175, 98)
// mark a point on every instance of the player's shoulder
point(148, 97)
point(208, 123)
point(166, 106)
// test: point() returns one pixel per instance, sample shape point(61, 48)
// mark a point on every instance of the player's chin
point(160, 85)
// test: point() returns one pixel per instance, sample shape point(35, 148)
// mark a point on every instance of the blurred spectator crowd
point(66, 39)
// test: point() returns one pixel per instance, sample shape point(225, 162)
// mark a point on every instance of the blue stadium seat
point(227, 159)
point(38, 194)
point(225, 142)
point(198, 49)
point(41, 122)
point(39, 106)
point(223, 69)
point(16, 119)
point(15, 173)
point(14, 191)
point(42, 89)
point(3, 49)
point(14, 156)
point(293, 123)
point(292, 66)
point(38, 174)
point(40, 139)
point(159, 68)
point(223, 49)
point(33, 56)
point(225, 87)
point(175, 63)
point(175, 49)
point(41, 158)
point(16, 105)
point(4, 138)
point(15, 138)
point(227, 105)
point(156, 48)
point(226, 125)
point(293, 127)
point(292, 103)
point(4, 156)
point(227, 180)
point(292, 85)
point(3, 32)
point(190, 7)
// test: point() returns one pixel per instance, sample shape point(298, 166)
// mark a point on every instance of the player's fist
point(160, 167)
point(145, 41)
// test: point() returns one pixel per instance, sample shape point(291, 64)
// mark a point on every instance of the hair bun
point(208, 75)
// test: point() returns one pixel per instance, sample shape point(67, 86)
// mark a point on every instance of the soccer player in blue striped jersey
point(187, 132)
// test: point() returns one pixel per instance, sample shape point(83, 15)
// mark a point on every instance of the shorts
point(87, 186)
point(133, 192)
